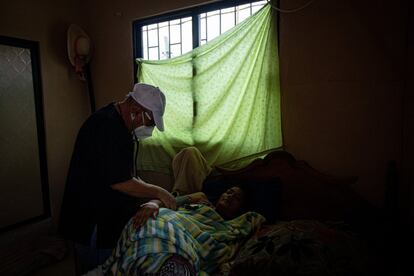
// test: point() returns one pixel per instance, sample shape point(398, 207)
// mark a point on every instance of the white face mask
point(142, 132)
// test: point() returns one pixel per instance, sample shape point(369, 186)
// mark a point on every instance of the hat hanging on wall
point(79, 50)
point(80, 53)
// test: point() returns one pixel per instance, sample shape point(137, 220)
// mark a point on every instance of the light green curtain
point(222, 97)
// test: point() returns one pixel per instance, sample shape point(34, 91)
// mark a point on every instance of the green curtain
point(222, 97)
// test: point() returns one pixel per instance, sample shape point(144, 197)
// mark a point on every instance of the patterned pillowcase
point(303, 247)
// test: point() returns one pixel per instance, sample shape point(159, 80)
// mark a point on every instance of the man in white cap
point(102, 187)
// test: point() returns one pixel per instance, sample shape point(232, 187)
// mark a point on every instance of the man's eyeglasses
point(147, 120)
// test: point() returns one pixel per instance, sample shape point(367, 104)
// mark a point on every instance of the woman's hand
point(167, 199)
point(147, 210)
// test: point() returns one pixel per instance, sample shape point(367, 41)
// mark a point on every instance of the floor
point(66, 267)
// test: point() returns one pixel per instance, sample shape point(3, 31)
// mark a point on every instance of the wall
point(64, 97)
point(342, 77)
point(111, 30)
point(408, 153)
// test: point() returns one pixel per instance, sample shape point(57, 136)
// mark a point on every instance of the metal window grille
point(176, 33)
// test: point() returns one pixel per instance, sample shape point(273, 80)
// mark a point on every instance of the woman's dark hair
point(215, 188)
point(263, 197)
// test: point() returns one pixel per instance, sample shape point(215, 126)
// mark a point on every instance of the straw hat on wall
point(79, 49)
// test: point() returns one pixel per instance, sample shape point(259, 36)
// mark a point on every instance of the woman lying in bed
point(196, 239)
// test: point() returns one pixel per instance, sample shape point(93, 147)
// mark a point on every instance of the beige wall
point(342, 75)
point(111, 31)
point(64, 98)
point(408, 153)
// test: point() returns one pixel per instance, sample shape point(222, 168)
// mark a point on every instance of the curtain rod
point(290, 10)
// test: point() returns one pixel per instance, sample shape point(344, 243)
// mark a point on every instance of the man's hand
point(167, 199)
point(147, 210)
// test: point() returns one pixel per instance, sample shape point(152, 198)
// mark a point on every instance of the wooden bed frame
point(306, 193)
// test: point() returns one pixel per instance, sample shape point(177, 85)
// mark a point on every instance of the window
point(214, 23)
point(224, 97)
point(177, 33)
point(167, 39)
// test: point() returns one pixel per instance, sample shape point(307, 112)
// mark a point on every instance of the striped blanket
point(196, 232)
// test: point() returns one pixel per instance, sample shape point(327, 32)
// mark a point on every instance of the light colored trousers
point(190, 170)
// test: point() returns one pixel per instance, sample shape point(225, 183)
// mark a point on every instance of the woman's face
point(230, 202)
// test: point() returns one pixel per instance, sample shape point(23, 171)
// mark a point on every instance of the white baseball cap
point(151, 98)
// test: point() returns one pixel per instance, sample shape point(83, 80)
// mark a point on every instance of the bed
point(315, 223)
point(320, 226)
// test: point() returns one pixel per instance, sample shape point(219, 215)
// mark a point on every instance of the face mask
point(143, 132)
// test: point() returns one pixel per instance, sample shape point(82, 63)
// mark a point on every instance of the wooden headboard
point(306, 193)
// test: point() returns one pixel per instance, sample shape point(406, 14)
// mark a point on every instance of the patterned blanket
point(196, 232)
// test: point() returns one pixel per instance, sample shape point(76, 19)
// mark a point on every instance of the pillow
point(304, 247)
point(263, 197)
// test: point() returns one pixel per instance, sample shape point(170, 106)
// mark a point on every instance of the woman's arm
point(147, 210)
